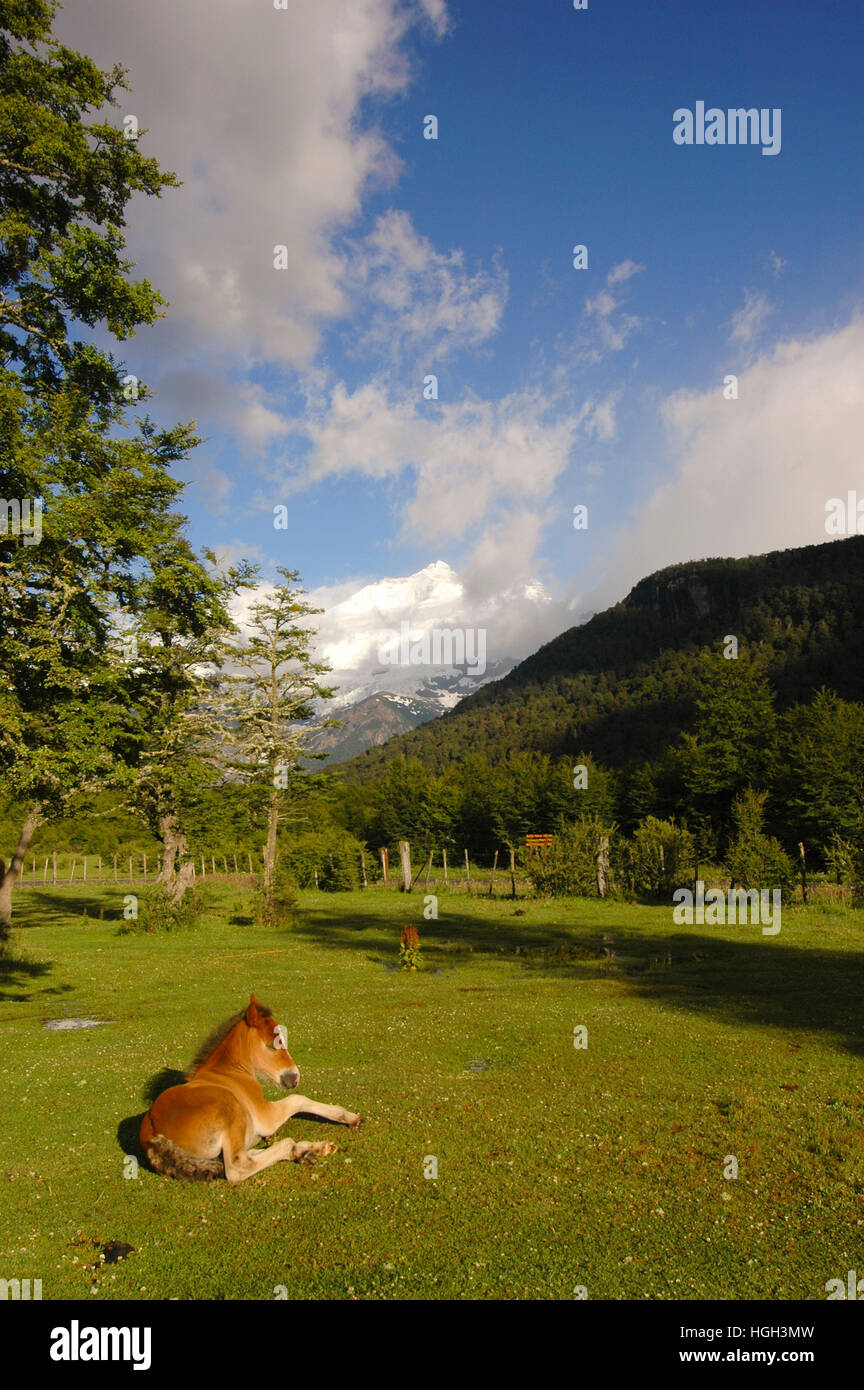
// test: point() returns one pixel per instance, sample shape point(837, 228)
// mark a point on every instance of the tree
point(173, 657)
point(822, 784)
point(268, 703)
point(90, 476)
point(735, 739)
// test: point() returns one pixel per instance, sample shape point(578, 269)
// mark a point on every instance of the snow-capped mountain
point(373, 713)
point(404, 650)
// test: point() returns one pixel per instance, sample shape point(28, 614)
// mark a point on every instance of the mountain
point(385, 707)
point(622, 685)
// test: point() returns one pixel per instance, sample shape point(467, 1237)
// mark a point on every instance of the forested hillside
point(623, 685)
point(664, 714)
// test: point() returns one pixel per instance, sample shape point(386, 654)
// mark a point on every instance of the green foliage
point(658, 859)
point(409, 948)
point(754, 859)
point(274, 906)
point(333, 854)
point(569, 866)
point(822, 783)
point(158, 912)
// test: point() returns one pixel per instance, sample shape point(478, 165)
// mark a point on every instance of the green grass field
point(557, 1166)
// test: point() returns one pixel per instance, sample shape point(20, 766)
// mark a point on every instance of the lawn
point(601, 1167)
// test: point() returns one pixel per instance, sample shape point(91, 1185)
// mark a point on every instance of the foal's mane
point(218, 1035)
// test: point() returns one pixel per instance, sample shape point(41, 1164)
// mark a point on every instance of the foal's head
point(268, 1047)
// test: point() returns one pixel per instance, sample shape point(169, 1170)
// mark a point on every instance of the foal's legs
point(273, 1114)
point(241, 1163)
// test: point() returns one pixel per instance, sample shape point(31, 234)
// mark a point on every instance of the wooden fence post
point(467, 872)
point(444, 857)
point(115, 868)
point(54, 865)
point(492, 878)
point(603, 865)
point(249, 857)
point(513, 873)
point(145, 868)
point(803, 855)
point(45, 874)
point(363, 869)
point(385, 863)
point(405, 857)
point(99, 866)
point(212, 864)
point(72, 871)
point(130, 869)
point(203, 870)
point(236, 870)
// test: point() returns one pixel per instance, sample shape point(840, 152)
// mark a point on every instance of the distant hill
point(621, 686)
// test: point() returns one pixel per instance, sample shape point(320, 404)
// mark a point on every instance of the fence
point(63, 870)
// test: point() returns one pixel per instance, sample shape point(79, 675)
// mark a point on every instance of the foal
point(220, 1109)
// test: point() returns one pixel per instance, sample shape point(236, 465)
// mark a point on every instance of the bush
point(754, 859)
point(157, 911)
point(569, 866)
point(276, 908)
point(657, 860)
point(332, 854)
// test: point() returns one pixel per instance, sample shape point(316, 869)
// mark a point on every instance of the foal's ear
point(253, 1013)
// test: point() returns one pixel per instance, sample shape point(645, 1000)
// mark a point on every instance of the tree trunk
point(9, 874)
point(173, 849)
point(270, 846)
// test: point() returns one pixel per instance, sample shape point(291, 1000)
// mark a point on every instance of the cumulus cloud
point(258, 110)
point(469, 459)
point(515, 617)
point(414, 295)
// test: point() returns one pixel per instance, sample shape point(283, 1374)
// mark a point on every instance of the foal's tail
point(165, 1157)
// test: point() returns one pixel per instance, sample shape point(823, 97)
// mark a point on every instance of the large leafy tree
point(72, 442)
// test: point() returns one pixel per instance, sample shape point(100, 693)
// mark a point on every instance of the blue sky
point(410, 256)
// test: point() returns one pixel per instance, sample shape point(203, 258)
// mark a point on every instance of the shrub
point(569, 866)
point(658, 859)
point(332, 853)
point(275, 909)
point(158, 912)
point(754, 859)
point(409, 948)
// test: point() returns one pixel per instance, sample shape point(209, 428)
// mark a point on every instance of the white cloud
point(614, 328)
point(623, 271)
point(754, 474)
point(470, 460)
point(357, 618)
point(258, 110)
point(748, 321)
point(415, 296)
point(776, 264)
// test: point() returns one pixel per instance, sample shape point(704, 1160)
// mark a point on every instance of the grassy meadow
point(558, 1166)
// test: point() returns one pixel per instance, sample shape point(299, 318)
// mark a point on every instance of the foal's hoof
point(316, 1151)
point(354, 1121)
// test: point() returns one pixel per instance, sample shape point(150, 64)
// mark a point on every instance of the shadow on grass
point(129, 1128)
point(15, 971)
point(755, 980)
point(48, 903)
